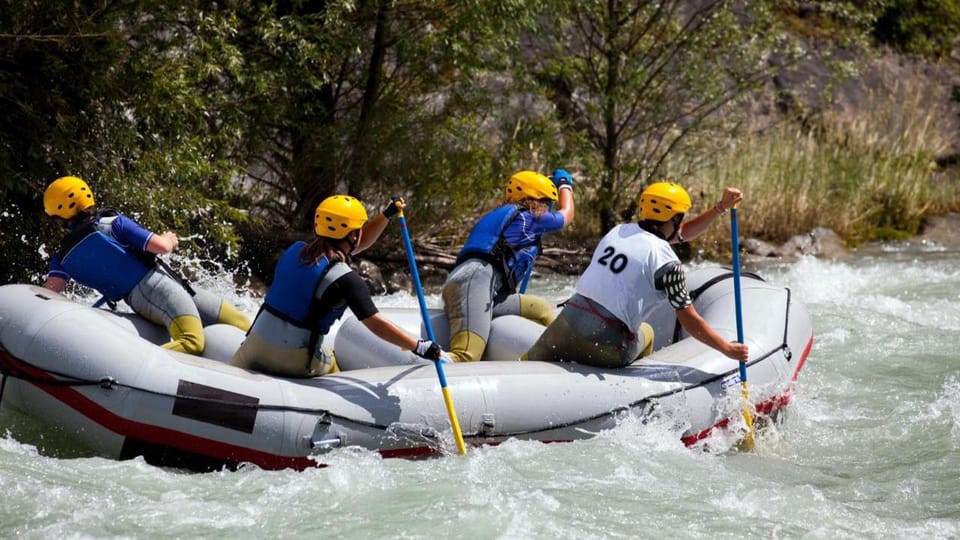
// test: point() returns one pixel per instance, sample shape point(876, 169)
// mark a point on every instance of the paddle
point(454, 423)
point(747, 442)
point(526, 279)
point(151, 259)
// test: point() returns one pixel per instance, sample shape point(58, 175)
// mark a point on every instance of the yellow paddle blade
point(746, 444)
point(454, 423)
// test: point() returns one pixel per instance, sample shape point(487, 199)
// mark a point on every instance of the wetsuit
point(108, 253)
point(500, 249)
point(602, 324)
point(302, 304)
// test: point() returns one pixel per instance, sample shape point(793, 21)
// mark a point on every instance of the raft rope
point(694, 294)
point(9, 369)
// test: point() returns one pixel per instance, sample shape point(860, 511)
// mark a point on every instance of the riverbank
point(387, 271)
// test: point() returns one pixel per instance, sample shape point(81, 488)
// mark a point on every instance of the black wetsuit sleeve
point(671, 279)
point(349, 288)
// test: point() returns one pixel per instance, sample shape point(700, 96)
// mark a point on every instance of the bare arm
point(162, 244)
point(693, 323)
point(566, 205)
point(372, 230)
point(696, 226)
point(55, 284)
point(389, 332)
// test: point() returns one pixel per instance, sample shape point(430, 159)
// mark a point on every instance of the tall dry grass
point(869, 175)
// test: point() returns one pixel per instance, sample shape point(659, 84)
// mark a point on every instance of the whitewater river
point(869, 448)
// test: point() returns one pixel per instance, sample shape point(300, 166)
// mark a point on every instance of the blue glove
point(562, 178)
point(427, 349)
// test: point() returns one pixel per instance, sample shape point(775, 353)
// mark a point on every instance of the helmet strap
point(656, 228)
point(676, 220)
point(652, 227)
point(74, 222)
point(352, 240)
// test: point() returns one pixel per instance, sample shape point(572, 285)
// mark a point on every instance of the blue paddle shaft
point(447, 400)
point(416, 277)
point(735, 239)
point(526, 279)
point(419, 288)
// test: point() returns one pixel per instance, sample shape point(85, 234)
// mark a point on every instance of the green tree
point(371, 98)
point(931, 29)
point(180, 113)
point(101, 90)
point(637, 80)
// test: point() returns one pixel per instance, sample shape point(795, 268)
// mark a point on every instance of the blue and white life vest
point(486, 242)
point(296, 286)
point(97, 260)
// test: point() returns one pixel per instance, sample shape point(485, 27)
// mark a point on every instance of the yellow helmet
point(530, 185)
point(337, 215)
point(663, 200)
point(67, 196)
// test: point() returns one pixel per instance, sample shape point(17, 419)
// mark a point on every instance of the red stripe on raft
point(228, 452)
point(803, 358)
point(156, 434)
point(766, 407)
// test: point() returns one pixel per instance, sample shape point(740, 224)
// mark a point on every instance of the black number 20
point(616, 261)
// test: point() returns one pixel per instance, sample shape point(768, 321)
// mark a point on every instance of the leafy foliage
point(920, 27)
point(637, 80)
point(101, 91)
point(229, 121)
point(371, 99)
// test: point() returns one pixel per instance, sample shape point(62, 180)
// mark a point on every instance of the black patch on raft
point(160, 455)
point(216, 406)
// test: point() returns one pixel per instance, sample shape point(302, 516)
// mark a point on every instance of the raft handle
point(488, 425)
point(327, 444)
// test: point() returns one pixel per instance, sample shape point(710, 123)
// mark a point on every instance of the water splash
point(867, 448)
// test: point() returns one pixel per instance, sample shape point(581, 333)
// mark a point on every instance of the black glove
point(392, 209)
point(427, 349)
point(562, 178)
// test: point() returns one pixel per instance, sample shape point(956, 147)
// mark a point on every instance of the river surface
point(868, 448)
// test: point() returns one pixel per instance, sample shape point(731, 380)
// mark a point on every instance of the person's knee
point(187, 334)
point(466, 346)
point(324, 362)
point(234, 317)
point(536, 309)
point(646, 333)
point(553, 343)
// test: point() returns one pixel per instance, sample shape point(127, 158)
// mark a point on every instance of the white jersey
point(621, 274)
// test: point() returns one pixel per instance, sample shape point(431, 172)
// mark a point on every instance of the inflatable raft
point(99, 378)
